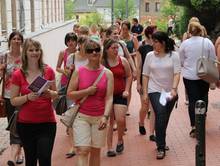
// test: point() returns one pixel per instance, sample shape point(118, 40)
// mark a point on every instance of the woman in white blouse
point(190, 51)
point(161, 73)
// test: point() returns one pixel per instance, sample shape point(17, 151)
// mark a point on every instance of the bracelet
point(27, 98)
point(174, 89)
point(106, 116)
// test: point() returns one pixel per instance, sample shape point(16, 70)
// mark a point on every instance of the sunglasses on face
point(91, 50)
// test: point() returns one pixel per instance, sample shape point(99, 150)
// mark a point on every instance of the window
point(147, 9)
point(91, 2)
point(157, 6)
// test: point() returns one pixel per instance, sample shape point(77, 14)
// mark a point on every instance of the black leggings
point(162, 116)
point(38, 141)
point(196, 90)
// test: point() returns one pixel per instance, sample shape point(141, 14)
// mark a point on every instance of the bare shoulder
point(217, 42)
point(108, 72)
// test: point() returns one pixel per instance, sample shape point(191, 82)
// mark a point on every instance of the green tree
point(206, 10)
point(120, 9)
point(168, 8)
point(91, 18)
point(68, 9)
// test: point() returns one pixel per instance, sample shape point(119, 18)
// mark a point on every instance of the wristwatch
point(106, 116)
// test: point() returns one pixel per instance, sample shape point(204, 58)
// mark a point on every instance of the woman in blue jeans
point(161, 72)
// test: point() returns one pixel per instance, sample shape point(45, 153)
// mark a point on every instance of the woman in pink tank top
point(90, 124)
point(71, 43)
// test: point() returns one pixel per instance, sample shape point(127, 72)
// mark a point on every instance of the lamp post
point(112, 10)
point(127, 9)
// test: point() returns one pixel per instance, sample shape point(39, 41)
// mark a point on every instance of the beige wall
point(40, 17)
point(152, 14)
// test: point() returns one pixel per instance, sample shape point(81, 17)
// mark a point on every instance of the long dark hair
point(107, 44)
point(163, 38)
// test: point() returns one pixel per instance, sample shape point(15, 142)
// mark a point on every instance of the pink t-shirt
point(94, 105)
point(40, 110)
point(64, 78)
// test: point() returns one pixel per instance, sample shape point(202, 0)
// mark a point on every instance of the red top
point(64, 78)
point(94, 105)
point(40, 110)
point(119, 77)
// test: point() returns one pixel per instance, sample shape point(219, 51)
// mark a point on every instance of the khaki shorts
point(86, 132)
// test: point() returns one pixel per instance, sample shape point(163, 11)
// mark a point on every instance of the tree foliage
point(68, 9)
point(206, 10)
point(91, 18)
point(120, 9)
point(170, 9)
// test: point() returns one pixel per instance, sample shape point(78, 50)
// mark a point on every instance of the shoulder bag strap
point(70, 76)
point(3, 76)
point(203, 47)
point(95, 83)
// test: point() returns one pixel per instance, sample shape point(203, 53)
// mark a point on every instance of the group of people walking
point(120, 56)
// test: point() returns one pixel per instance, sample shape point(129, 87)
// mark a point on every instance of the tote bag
point(207, 69)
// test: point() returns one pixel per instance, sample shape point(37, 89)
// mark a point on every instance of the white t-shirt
point(161, 71)
point(190, 50)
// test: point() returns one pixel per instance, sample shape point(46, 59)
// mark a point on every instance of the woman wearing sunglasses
point(90, 124)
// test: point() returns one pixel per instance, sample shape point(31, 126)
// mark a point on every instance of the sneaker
point(111, 153)
point(152, 138)
point(192, 133)
point(160, 154)
point(120, 148)
point(142, 130)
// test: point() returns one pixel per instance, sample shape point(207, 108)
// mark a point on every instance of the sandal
point(111, 153)
point(10, 163)
point(192, 133)
point(20, 160)
point(70, 154)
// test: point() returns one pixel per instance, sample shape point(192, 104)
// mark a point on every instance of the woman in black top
point(145, 47)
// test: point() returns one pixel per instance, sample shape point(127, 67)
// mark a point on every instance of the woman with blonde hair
point(89, 127)
point(36, 123)
point(187, 35)
point(190, 51)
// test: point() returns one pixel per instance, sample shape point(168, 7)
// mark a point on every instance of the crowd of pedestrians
point(124, 53)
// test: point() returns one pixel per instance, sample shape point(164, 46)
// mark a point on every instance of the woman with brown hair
point(122, 82)
point(36, 123)
point(13, 62)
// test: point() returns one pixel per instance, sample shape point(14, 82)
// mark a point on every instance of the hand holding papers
point(39, 85)
point(164, 97)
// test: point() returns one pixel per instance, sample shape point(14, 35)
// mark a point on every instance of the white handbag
point(207, 68)
point(68, 117)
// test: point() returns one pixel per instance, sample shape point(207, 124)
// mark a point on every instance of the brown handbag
point(2, 100)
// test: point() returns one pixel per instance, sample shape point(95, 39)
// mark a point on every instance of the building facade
point(29, 16)
point(149, 11)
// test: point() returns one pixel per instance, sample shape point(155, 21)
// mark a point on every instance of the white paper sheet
point(164, 96)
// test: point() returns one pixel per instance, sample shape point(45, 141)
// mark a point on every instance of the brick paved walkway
point(139, 151)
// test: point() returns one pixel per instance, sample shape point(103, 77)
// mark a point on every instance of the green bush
point(91, 18)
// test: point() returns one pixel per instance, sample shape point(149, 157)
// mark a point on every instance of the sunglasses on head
point(91, 50)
